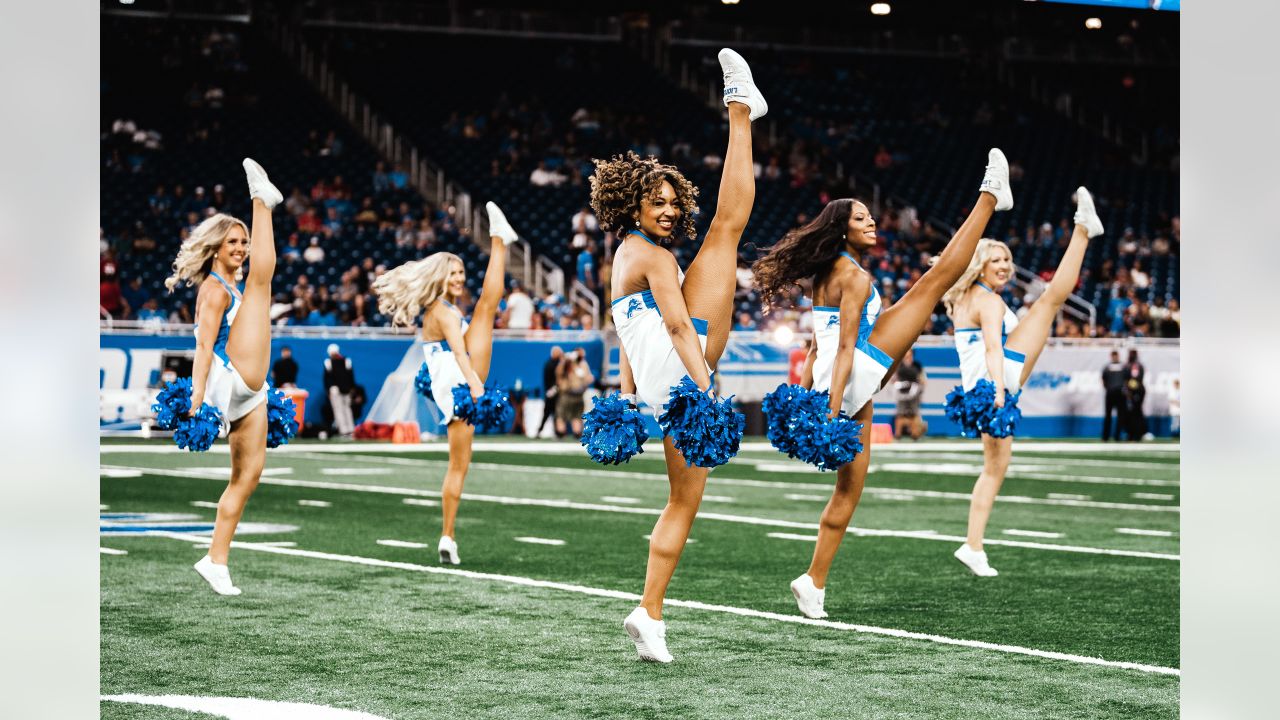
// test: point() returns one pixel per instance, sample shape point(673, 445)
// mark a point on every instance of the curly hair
point(803, 252)
point(622, 182)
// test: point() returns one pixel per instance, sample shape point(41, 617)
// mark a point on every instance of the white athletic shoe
point(809, 597)
point(218, 576)
point(976, 561)
point(649, 635)
point(1086, 214)
point(739, 86)
point(996, 180)
point(499, 226)
point(259, 186)
point(448, 550)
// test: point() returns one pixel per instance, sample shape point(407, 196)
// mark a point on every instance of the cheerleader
point(457, 351)
point(997, 353)
point(673, 324)
point(858, 343)
point(233, 349)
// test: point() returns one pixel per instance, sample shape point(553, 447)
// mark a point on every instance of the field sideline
point(345, 604)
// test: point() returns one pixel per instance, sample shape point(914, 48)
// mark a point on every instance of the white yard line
point(401, 544)
point(538, 540)
point(1150, 496)
point(967, 471)
point(1034, 533)
point(1068, 496)
point(621, 500)
point(111, 551)
point(569, 505)
point(315, 503)
point(718, 498)
point(421, 501)
point(709, 607)
point(355, 471)
point(1148, 533)
point(208, 504)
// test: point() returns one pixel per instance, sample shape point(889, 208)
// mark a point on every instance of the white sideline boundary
point(595, 507)
point(695, 605)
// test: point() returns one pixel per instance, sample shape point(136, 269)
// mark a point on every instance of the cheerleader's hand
point(477, 390)
point(196, 402)
point(999, 397)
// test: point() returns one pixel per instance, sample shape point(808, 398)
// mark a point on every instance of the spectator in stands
point(284, 373)
point(109, 293)
point(587, 266)
point(573, 377)
point(745, 322)
point(1175, 408)
point(134, 296)
point(519, 312)
point(1141, 280)
point(292, 252)
point(584, 222)
point(1173, 326)
point(297, 202)
point(314, 253)
point(543, 177)
point(150, 312)
point(1113, 380)
point(399, 180)
point(908, 390)
point(551, 391)
point(883, 160)
point(339, 380)
point(1135, 392)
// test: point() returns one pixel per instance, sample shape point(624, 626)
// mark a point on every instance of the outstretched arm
point(855, 288)
point(451, 326)
point(991, 320)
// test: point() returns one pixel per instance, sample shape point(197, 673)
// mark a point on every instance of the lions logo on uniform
point(633, 307)
point(833, 321)
point(975, 337)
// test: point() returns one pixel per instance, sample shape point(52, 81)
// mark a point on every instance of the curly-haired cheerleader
point(857, 345)
point(672, 326)
point(233, 349)
point(997, 354)
point(457, 352)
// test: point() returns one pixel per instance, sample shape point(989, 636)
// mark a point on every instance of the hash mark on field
point(421, 501)
point(111, 551)
point(717, 498)
point(1151, 496)
point(1034, 533)
point(403, 544)
point(695, 605)
point(894, 496)
point(315, 503)
point(855, 531)
point(1068, 496)
point(1150, 533)
point(813, 498)
point(272, 543)
point(226, 471)
point(792, 536)
point(538, 540)
point(356, 471)
point(117, 473)
point(620, 500)
point(690, 541)
point(204, 504)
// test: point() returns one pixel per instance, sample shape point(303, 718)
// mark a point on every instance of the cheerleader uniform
point(870, 363)
point(973, 353)
point(224, 388)
point(444, 370)
point(655, 364)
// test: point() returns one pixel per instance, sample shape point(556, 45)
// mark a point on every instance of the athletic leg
point(479, 337)
point(249, 343)
point(836, 517)
point(995, 462)
point(460, 435)
point(248, 441)
point(672, 529)
point(1033, 329)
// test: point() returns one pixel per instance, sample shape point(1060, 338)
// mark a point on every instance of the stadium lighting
point(1093, 23)
point(729, 2)
point(783, 335)
point(126, 2)
point(880, 9)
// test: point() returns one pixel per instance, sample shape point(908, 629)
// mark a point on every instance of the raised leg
point(995, 462)
point(1033, 329)
point(710, 281)
point(672, 529)
point(460, 435)
point(479, 337)
point(850, 479)
point(249, 342)
point(248, 441)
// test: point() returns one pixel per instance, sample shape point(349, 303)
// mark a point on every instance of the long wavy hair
point(623, 181)
point(804, 252)
point(408, 290)
point(971, 273)
point(195, 257)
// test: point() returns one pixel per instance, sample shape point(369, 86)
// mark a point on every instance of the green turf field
point(340, 609)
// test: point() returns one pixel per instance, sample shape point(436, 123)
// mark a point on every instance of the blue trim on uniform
point(646, 296)
point(1016, 356)
point(977, 329)
point(983, 285)
point(876, 354)
point(824, 308)
point(647, 239)
point(699, 325)
point(852, 260)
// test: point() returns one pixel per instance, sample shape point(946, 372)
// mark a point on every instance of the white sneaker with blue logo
point(996, 180)
point(739, 87)
point(1086, 214)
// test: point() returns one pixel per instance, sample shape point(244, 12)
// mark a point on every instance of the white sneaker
point(218, 576)
point(738, 85)
point(809, 597)
point(975, 560)
point(1086, 214)
point(649, 635)
point(996, 180)
point(499, 226)
point(259, 186)
point(448, 550)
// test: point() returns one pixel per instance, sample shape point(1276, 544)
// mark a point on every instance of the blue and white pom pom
point(957, 412)
point(491, 412)
point(706, 431)
point(282, 418)
point(173, 403)
point(1003, 422)
point(786, 409)
point(613, 430)
point(829, 443)
point(423, 381)
point(976, 413)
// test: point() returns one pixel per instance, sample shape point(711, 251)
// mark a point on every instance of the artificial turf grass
point(1119, 608)
point(429, 646)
